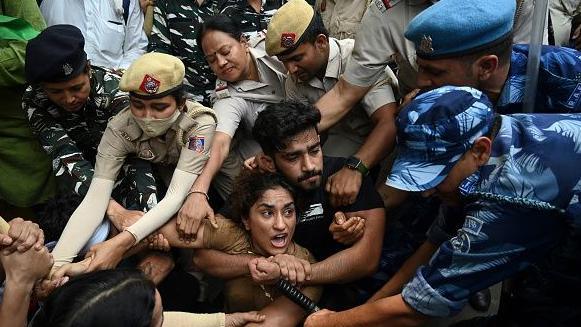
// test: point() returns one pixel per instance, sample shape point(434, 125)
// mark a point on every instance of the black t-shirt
point(312, 231)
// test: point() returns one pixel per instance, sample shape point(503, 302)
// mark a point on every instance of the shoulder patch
point(197, 143)
point(221, 89)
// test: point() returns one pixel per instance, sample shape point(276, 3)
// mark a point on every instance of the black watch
point(356, 164)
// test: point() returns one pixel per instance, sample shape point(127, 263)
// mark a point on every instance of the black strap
point(125, 10)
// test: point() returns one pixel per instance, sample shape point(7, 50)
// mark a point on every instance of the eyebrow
point(271, 206)
point(219, 50)
point(309, 148)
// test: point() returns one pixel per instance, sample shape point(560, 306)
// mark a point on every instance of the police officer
point(159, 126)
point(315, 63)
point(248, 80)
point(517, 181)
point(68, 106)
point(470, 43)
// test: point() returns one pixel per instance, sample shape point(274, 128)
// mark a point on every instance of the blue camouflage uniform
point(559, 86)
point(517, 206)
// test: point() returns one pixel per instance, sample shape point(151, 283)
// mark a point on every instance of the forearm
point(406, 272)
point(336, 103)
point(180, 183)
point(222, 265)
point(14, 306)
point(83, 222)
point(372, 151)
point(391, 311)
point(281, 313)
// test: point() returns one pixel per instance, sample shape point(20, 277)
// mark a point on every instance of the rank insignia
point(426, 44)
point(149, 85)
point(67, 69)
point(287, 40)
point(196, 143)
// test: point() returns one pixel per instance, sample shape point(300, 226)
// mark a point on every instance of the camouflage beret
point(153, 75)
point(287, 26)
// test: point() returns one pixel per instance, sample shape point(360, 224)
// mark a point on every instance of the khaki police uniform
point(185, 146)
point(237, 105)
point(381, 40)
point(346, 137)
point(341, 17)
point(184, 143)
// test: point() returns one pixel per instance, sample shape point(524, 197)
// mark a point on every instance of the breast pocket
point(113, 32)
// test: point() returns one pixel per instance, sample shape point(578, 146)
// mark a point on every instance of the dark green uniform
point(71, 140)
point(250, 21)
point(176, 25)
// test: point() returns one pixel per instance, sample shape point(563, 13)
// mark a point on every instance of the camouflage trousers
point(136, 187)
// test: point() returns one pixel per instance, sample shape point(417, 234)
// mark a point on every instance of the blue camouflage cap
point(453, 28)
point(433, 133)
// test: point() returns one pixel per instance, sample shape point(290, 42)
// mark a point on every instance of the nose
point(70, 98)
point(292, 68)
point(308, 164)
point(279, 223)
point(222, 61)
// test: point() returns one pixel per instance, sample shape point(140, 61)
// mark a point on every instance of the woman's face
point(229, 58)
point(271, 221)
point(155, 108)
point(157, 318)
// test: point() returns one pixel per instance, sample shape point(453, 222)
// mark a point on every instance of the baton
point(4, 227)
point(295, 295)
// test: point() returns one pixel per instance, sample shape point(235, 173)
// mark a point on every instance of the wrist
point(114, 209)
point(354, 163)
point(125, 240)
point(198, 193)
point(20, 283)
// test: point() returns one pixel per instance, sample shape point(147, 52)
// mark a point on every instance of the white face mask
point(153, 127)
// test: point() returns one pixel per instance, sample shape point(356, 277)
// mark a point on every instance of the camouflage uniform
point(250, 21)
point(176, 25)
point(71, 140)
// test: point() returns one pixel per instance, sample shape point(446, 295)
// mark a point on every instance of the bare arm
point(359, 260)
point(336, 103)
point(406, 272)
point(391, 311)
point(222, 265)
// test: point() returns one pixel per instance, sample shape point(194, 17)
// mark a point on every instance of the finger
point(284, 270)
point(300, 272)
point(307, 268)
point(253, 316)
point(27, 243)
point(329, 185)
point(5, 240)
point(213, 219)
point(40, 241)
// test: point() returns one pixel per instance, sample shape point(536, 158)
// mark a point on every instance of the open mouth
point(279, 240)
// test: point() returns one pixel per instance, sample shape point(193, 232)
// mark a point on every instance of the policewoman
point(159, 126)
point(248, 81)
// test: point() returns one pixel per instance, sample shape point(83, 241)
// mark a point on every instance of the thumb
point(340, 218)
point(5, 240)
point(254, 316)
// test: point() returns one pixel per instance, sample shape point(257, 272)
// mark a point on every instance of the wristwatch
point(356, 164)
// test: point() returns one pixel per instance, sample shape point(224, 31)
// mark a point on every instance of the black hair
point(112, 298)
point(220, 23)
point(250, 186)
point(279, 122)
point(502, 50)
point(315, 28)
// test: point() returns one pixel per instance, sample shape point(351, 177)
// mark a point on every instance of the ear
point(245, 222)
point(266, 163)
point(244, 42)
point(486, 66)
point(480, 151)
point(321, 42)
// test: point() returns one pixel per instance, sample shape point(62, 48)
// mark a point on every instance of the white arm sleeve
point(84, 221)
point(186, 319)
point(180, 185)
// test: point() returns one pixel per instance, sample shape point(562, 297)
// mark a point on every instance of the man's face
point(308, 60)
point(301, 162)
point(436, 73)
point(70, 95)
